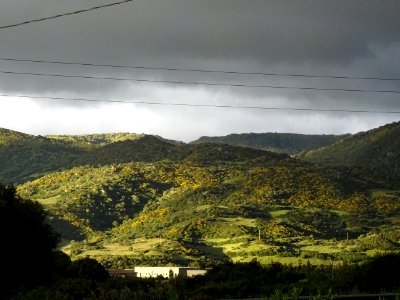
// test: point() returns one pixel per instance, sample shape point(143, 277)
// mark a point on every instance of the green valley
point(128, 199)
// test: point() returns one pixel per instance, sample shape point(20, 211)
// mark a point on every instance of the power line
point(200, 70)
point(199, 105)
point(200, 83)
point(65, 14)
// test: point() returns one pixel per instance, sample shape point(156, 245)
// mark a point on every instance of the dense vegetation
point(377, 150)
point(28, 249)
point(85, 279)
point(200, 204)
point(276, 142)
point(129, 200)
point(97, 139)
point(43, 273)
point(24, 157)
point(22, 223)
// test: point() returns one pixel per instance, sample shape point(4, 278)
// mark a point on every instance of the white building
point(167, 272)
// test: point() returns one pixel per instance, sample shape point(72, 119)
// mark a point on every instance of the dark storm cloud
point(338, 37)
point(264, 31)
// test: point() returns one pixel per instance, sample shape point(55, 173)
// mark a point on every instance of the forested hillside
point(209, 202)
point(276, 142)
point(129, 199)
point(377, 149)
point(24, 157)
point(99, 196)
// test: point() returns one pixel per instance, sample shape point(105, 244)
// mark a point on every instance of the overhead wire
point(198, 105)
point(200, 83)
point(184, 82)
point(201, 70)
point(64, 14)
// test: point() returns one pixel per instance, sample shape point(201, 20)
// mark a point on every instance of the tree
point(27, 241)
point(381, 273)
point(88, 268)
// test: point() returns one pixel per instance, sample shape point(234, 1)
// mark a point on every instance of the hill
point(106, 138)
point(129, 199)
point(210, 202)
point(97, 139)
point(88, 183)
point(276, 142)
point(25, 157)
point(377, 149)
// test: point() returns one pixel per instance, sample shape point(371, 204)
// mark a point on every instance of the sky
point(350, 38)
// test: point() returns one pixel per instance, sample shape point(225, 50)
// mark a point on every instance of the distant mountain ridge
point(97, 139)
point(102, 139)
point(289, 143)
point(25, 157)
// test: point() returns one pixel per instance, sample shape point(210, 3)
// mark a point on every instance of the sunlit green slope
point(207, 202)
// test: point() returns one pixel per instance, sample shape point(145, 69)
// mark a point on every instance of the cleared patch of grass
point(340, 213)
point(321, 249)
point(240, 221)
point(279, 213)
point(49, 201)
point(232, 247)
point(242, 249)
point(265, 260)
point(227, 241)
point(138, 246)
point(217, 240)
point(202, 207)
point(375, 252)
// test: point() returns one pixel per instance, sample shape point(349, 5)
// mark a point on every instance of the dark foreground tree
point(381, 273)
point(27, 242)
point(88, 268)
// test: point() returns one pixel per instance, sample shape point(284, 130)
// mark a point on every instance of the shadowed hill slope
point(377, 149)
point(276, 142)
point(24, 156)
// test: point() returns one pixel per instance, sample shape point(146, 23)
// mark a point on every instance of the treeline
point(87, 280)
point(289, 143)
point(377, 150)
point(29, 258)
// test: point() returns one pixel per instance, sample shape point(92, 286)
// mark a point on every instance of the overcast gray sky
point(358, 38)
